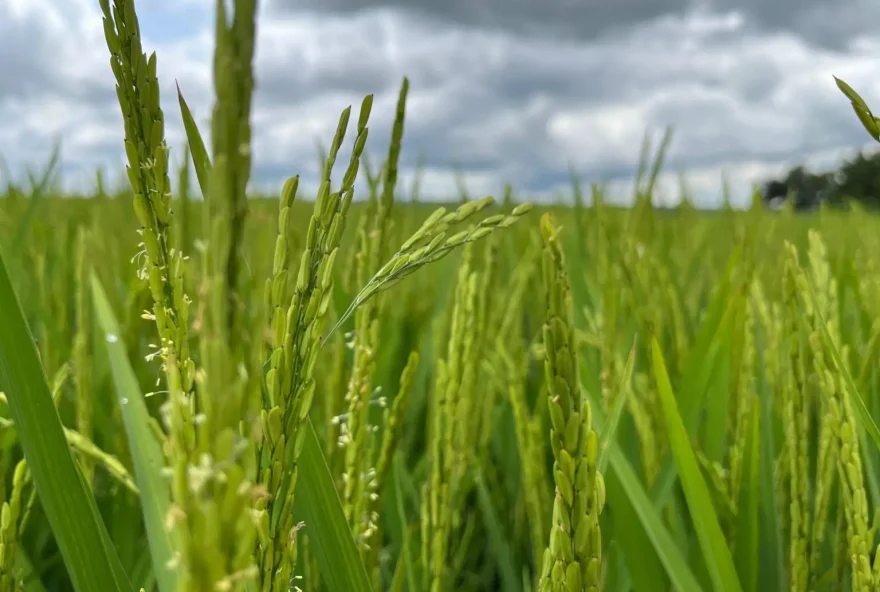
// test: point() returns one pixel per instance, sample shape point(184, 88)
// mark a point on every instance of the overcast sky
point(501, 90)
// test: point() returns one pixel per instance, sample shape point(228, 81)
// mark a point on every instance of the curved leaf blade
point(145, 450)
point(718, 558)
point(92, 563)
point(318, 506)
point(200, 159)
point(641, 522)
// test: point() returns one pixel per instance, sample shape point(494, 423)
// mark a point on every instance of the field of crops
point(342, 392)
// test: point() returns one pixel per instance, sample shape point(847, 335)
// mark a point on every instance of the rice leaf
point(497, 542)
point(318, 506)
point(772, 565)
point(643, 538)
point(643, 566)
point(92, 563)
point(716, 554)
point(406, 553)
point(400, 577)
point(200, 158)
point(616, 412)
point(746, 552)
point(698, 375)
point(145, 449)
point(714, 429)
point(675, 564)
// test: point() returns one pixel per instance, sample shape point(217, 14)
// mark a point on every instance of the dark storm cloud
point(520, 108)
point(22, 60)
point(568, 18)
point(36, 59)
point(824, 22)
point(828, 23)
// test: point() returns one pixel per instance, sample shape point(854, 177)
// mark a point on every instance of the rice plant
point(386, 395)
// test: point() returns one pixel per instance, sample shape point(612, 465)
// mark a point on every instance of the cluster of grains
point(360, 479)
point(298, 335)
point(439, 492)
point(207, 454)
point(573, 558)
point(796, 400)
point(162, 266)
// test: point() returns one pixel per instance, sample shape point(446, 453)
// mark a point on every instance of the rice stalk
point(160, 264)
point(796, 423)
point(573, 559)
point(290, 384)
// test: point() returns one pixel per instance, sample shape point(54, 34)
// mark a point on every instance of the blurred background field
point(636, 273)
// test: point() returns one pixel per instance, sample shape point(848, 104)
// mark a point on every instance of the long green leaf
point(92, 563)
point(145, 449)
point(701, 366)
point(680, 575)
point(639, 530)
point(716, 554)
point(200, 158)
point(497, 542)
point(668, 475)
point(746, 552)
point(772, 554)
point(616, 412)
point(399, 578)
point(714, 441)
point(406, 554)
point(318, 506)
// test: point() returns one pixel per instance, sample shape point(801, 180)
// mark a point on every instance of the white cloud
point(500, 104)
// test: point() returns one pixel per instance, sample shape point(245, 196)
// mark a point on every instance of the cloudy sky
point(501, 90)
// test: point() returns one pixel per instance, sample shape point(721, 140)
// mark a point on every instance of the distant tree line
point(857, 179)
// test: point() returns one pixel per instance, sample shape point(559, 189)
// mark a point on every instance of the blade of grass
point(694, 385)
point(746, 552)
point(400, 576)
point(401, 512)
point(497, 543)
point(714, 428)
point(642, 569)
point(717, 319)
point(718, 559)
point(145, 449)
point(616, 412)
point(92, 563)
point(772, 554)
point(642, 536)
point(200, 158)
point(625, 488)
point(318, 506)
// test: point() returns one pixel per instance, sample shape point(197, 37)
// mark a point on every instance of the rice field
point(356, 391)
